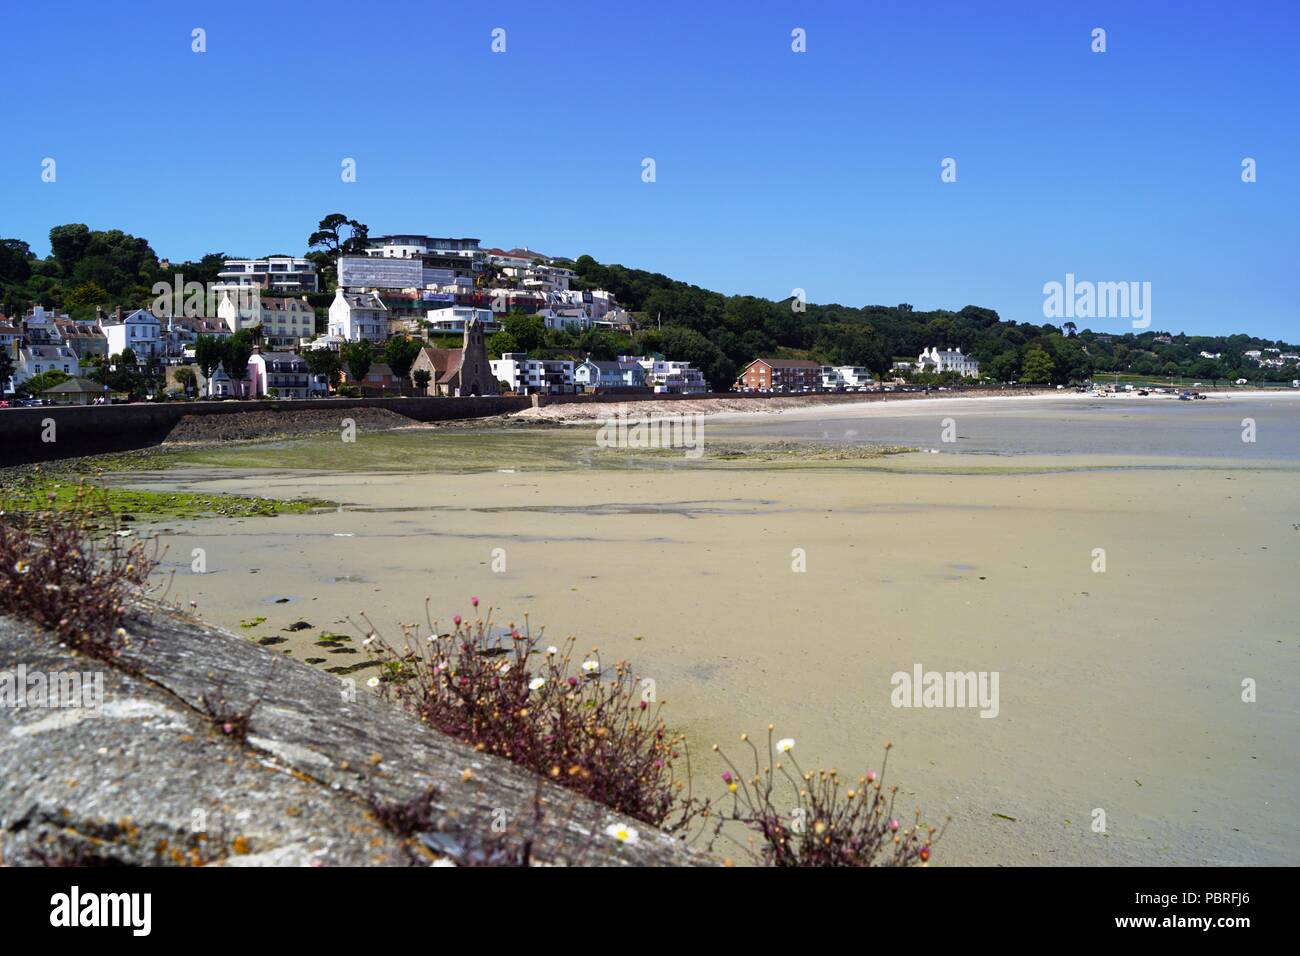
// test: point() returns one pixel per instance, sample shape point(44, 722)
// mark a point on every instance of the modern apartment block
point(839, 378)
point(275, 274)
point(527, 376)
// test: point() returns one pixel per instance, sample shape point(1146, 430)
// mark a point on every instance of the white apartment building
point(593, 374)
point(453, 318)
point(358, 315)
point(282, 274)
point(526, 376)
point(838, 378)
point(947, 360)
point(569, 319)
point(140, 331)
point(666, 375)
point(407, 246)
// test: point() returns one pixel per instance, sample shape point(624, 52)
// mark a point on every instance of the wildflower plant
point(504, 692)
point(70, 570)
point(832, 822)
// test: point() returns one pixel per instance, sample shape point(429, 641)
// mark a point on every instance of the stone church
point(459, 372)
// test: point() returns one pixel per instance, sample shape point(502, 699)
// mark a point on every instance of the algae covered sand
point(791, 592)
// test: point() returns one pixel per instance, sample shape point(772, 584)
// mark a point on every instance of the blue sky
point(775, 170)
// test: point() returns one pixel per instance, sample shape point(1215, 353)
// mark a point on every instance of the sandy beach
point(756, 592)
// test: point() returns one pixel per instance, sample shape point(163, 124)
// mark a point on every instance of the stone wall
point(90, 430)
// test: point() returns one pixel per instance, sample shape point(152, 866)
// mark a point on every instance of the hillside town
point(417, 315)
point(410, 289)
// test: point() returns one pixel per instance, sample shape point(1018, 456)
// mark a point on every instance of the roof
point(787, 363)
point(363, 300)
point(48, 351)
point(444, 361)
point(281, 303)
point(77, 386)
point(203, 325)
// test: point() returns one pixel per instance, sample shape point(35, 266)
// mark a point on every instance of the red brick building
point(780, 375)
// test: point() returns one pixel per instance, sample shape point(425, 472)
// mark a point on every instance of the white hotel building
point(947, 360)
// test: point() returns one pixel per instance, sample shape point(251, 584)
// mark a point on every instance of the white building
point(947, 360)
point(453, 318)
point(41, 327)
point(838, 378)
point(282, 374)
point(282, 274)
point(568, 319)
point(668, 376)
point(525, 376)
point(358, 315)
point(285, 321)
point(593, 374)
point(35, 360)
point(407, 246)
point(141, 332)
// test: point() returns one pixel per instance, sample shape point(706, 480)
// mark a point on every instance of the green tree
point(186, 380)
point(85, 296)
point(422, 378)
point(357, 356)
point(400, 354)
point(236, 353)
point(208, 351)
point(37, 384)
point(1039, 367)
point(499, 343)
point(336, 235)
point(324, 362)
point(528, 331)
point(15, 260)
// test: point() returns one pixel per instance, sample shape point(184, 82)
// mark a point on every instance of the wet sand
point(1119, 691)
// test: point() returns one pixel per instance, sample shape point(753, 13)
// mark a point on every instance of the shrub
point(67, 573)
point(832, 823)
point(585, 728)
point(229, 719)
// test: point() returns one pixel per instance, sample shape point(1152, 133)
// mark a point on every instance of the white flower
point(503, 666)
point(373, 682)
point(369, 640)
point(591, 667)
point(621, 833)
point(552, 650)
point(785, 745)
point(537, 683)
